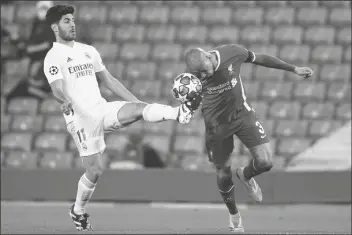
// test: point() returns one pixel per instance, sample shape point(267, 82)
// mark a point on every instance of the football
point(186, 86)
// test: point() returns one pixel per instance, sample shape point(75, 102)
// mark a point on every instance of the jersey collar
point(218, 58)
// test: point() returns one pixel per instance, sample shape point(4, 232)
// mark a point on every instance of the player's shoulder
point(54, 54)
point(231, 52)
point(86, 47)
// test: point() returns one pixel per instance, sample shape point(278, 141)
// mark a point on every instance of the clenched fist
point(303, 71)
point(66, 108)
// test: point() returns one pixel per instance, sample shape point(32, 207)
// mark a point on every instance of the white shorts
point(88, 132)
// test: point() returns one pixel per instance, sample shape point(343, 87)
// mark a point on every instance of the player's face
point(67, 27)
point(206, 68)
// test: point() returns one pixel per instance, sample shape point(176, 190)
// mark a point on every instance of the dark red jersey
point(223, 92)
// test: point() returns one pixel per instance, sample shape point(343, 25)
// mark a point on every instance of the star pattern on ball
point(53, 70)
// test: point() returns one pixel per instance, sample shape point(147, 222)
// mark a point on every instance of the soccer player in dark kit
point(226, 113)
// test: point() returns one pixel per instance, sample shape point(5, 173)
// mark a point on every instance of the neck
point(67, 43)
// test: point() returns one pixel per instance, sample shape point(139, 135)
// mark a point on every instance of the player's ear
point(54, 27)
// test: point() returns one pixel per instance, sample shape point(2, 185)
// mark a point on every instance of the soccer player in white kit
point(72, 69)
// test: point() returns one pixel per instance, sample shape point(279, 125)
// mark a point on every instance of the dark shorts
point(220, 142)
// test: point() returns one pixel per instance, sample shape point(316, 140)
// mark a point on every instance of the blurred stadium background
point(143, 43)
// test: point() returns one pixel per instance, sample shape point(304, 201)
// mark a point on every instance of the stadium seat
point(50, 107)
point(7, 13)
point(22, 160)
point(161, 33)
point(3, 105)
point(265, 74)
point(289, 147)
point(216, 15)
point(116, 69)
point(340, 17)
point(143, 88)
point(344, 36)
point(179, 3)
point(51, 141)
point(8, 83)
point(100, 32)
point(16, 141)
point(135, 51)
point(289, 128)
point(347, 55)
point(295, 54)
point(195, 128)
point(331, 4)
point(261, 108)
point(309, 91)
point(246, 72)
point(280, 16)
point(55, 124)
point(191, 34)
point(320, 128)
point(161, 143)
point(245, 16)
point(190, 144)
point(223, 34)
point(315, 110)
point(5, 123)
point(262, 48)
point(107, 51)
point(343, 112)
point(251, 89)
point(285, 110)
point(185, 15)
point(303, 3)
point(209, 4)
point(25, 12)
point(319, 35)
point(236, 4)
point(255, 34)
point(335, 72)
point(154, 14)
point(93, 13)
point(308, 16)
point(288, 35)
point(23, 106)
point(270, 4)
point(11, 68)
point(121, 3)
point(141, 71)
point(276, 90)
point(161, 128)
point(27, 123)
point(56, 160)
point(169, 70)
point(167, 51)
point(339, 91)
point(124, 14)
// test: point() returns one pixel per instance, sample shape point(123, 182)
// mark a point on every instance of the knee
point(223, 174)
point(95, 170)
point(264, 163)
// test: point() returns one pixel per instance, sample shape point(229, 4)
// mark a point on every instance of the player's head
point(61, 19)
point(199, 63)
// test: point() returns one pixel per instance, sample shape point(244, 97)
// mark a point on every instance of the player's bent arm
point(271, 62)
point(116, 86)
point(58, 91)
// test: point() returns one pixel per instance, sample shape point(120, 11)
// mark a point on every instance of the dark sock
point(229, 198)
point(250, 170)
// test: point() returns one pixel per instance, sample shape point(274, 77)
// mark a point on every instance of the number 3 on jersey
point(260, 129)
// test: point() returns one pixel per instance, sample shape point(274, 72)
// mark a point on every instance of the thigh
point(219, 149)
point(121, 113)
point(252, 132)
point(88, 134)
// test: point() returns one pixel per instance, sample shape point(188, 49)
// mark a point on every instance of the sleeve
point(242, 54)
point(97, 61)
point(52, 69)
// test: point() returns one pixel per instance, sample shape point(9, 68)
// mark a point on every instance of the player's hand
point(66, 108)
point(194, 103)
point(303, 71)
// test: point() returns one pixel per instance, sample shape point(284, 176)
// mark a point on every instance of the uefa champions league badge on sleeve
point(53, 70)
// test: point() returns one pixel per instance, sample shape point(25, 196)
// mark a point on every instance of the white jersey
point(77, 66)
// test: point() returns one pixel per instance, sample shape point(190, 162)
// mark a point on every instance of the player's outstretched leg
point(86, 186)
point(261, 162)
point(227, 191)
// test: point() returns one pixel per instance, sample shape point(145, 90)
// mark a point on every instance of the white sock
point(159, 112)
point(84, 193)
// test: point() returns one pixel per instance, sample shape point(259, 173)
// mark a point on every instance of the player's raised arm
point(274, 62)
point(110, 81)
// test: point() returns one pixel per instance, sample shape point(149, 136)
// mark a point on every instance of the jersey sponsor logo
point(53, 70)
point(81, 70)
point(219, 89)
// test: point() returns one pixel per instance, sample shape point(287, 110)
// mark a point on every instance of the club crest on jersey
point(87, 55)
point(233, 82)
point(230, 69)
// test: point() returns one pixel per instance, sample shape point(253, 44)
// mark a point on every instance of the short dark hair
point(54, 14)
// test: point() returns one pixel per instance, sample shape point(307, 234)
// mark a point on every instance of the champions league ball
point(186, 86)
